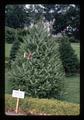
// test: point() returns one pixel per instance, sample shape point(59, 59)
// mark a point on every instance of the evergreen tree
point(10, 34)
point(37, 68)
point(20, 33)
point(68, 56)
point(14, 50)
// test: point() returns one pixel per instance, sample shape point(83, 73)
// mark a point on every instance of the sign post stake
point(17, 104)
point(18, 94)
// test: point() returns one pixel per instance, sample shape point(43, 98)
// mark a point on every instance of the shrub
point(40, 73)
point(18, 39)
point(23, 32)
point(13, 51)
point(73, 40)
point(68, 56)
point(10, 34)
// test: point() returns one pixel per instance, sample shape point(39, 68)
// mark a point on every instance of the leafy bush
point(13, 51)
point(23, 32)
point(73, 40)
point(19, 38)
point(10, 35)
point(68, 56)
point(37, 106)
point(42, 74)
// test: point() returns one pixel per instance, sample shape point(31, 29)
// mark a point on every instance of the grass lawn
point(72, 89)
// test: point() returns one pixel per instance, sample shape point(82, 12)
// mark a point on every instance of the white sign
point(18, 94)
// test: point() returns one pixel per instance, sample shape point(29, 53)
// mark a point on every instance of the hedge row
point(37, 106)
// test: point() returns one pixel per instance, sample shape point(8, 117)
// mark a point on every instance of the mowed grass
point(72, 89)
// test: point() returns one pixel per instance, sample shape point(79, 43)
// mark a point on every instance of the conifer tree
point(37, 68)
point(68, 56)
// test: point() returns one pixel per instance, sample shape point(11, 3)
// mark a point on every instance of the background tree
point(37, 68)
point(70, 16)
point(20, 33)
point(10, 35)
point(15, 16)
point(64, 15)
point(68, 57)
